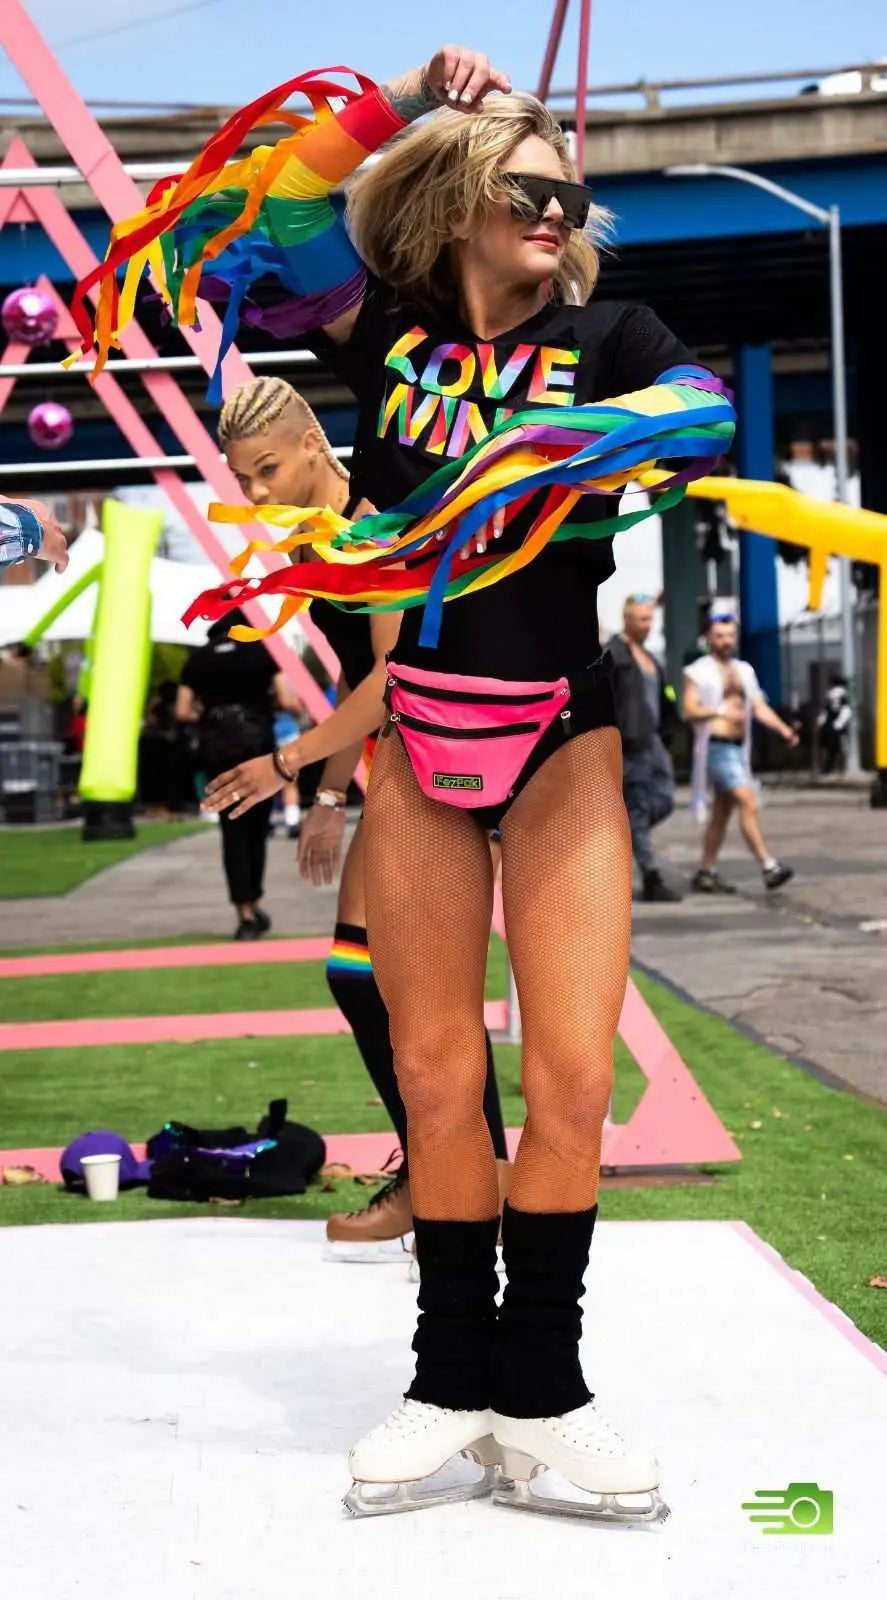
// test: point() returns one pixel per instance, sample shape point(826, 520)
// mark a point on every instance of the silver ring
point(236, 798)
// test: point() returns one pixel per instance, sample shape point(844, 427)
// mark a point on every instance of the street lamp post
point(830, 220)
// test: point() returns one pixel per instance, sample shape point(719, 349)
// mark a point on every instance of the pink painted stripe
point(269, 953)
point(832, 1313)
point(92, 1031)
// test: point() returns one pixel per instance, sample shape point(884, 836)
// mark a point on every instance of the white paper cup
point(102, 1174)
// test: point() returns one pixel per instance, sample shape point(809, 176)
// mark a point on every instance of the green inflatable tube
point(61, 605)
point(120, 659)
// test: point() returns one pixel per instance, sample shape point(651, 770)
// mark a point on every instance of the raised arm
point(455, 77)
point(270, 212)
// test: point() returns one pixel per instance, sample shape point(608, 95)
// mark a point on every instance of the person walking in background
point(230, 691)
point(722, 697)
point(645, 712)
point(833, 723)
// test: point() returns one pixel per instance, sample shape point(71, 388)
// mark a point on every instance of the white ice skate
point(398, 1465)
point(619, 1484)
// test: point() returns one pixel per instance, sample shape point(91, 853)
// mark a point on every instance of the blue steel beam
point(653, 209)
point(649, 209)
point(755, 451)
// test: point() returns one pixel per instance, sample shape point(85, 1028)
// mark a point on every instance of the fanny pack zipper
point(457, 696)
point(459, 733)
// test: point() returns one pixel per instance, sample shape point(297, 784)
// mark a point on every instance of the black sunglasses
point(536, 194)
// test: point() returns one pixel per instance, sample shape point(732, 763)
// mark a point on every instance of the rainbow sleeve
point(269, 212)
point(558, 455)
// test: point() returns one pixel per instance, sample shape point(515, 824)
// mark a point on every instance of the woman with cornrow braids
point(280, 455)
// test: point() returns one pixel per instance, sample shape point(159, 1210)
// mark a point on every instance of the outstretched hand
point(243, 787)
point(460, 78)
point(54, 546)
point(320, 844)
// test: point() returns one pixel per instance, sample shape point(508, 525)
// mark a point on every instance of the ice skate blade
point(372, 1253)
point(602, 1508)
point(381, 1500)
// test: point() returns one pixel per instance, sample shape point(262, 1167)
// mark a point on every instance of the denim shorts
point(727, 767)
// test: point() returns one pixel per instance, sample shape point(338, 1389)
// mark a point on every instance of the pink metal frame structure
point(93, 153)
point(549, 62)
point(673, 1123)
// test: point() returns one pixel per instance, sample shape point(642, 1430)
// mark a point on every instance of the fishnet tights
point(566, 875)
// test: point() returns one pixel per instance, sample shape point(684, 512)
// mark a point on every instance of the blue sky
point(227, 51)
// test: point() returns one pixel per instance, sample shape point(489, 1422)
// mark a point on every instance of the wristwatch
point(331, 798)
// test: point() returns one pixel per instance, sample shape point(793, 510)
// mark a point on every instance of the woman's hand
point(460, 78)
point(491, 530)
point(320, 844)
point(243, 787)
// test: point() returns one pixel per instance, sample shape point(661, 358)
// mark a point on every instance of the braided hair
point(256, 405)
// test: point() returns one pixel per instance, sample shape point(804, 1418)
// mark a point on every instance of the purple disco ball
point(50, 425)
point(29, 316)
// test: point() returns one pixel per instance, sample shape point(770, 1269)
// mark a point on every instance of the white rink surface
point(178, 1397)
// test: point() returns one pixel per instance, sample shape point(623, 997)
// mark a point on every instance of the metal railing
point(871, 74)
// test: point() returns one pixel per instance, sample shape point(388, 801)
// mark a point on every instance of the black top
point(234, 684)
point(634, 713)
point(225, 673)
point(428, 390)
point(347, 631)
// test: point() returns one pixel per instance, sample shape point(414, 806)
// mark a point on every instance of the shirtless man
point(721, 698)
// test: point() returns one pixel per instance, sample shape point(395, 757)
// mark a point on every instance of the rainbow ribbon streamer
point(271, 212)
point(406, 556)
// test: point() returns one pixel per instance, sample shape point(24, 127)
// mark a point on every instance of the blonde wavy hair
point(256, 405)
point(447, 173)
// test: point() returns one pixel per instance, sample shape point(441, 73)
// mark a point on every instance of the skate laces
point(410, 1416)
point(389, 1189)
point(588, 1426)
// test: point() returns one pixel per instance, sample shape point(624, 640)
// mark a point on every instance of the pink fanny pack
point(469, 738)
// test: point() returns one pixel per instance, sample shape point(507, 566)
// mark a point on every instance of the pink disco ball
point(50, 425)
point(29, 316)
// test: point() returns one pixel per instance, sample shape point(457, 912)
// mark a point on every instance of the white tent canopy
point(174, 585)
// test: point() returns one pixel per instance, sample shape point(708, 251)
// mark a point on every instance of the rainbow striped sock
point(350, 956)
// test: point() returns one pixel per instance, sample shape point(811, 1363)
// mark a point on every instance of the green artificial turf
point(35, 862)
point(812, 1181)
point(176, 991)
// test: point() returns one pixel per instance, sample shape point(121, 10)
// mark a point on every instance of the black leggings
point(244, 847)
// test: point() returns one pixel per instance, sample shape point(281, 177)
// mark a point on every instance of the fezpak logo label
point(457, 780)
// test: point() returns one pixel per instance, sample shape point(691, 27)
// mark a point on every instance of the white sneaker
point(583, 1448)
point(412, 1445)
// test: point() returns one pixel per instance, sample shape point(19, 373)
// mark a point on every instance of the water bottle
point(21, 533)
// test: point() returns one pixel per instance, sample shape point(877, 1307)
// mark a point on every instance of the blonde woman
point(280, 455)
point(477, 302)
